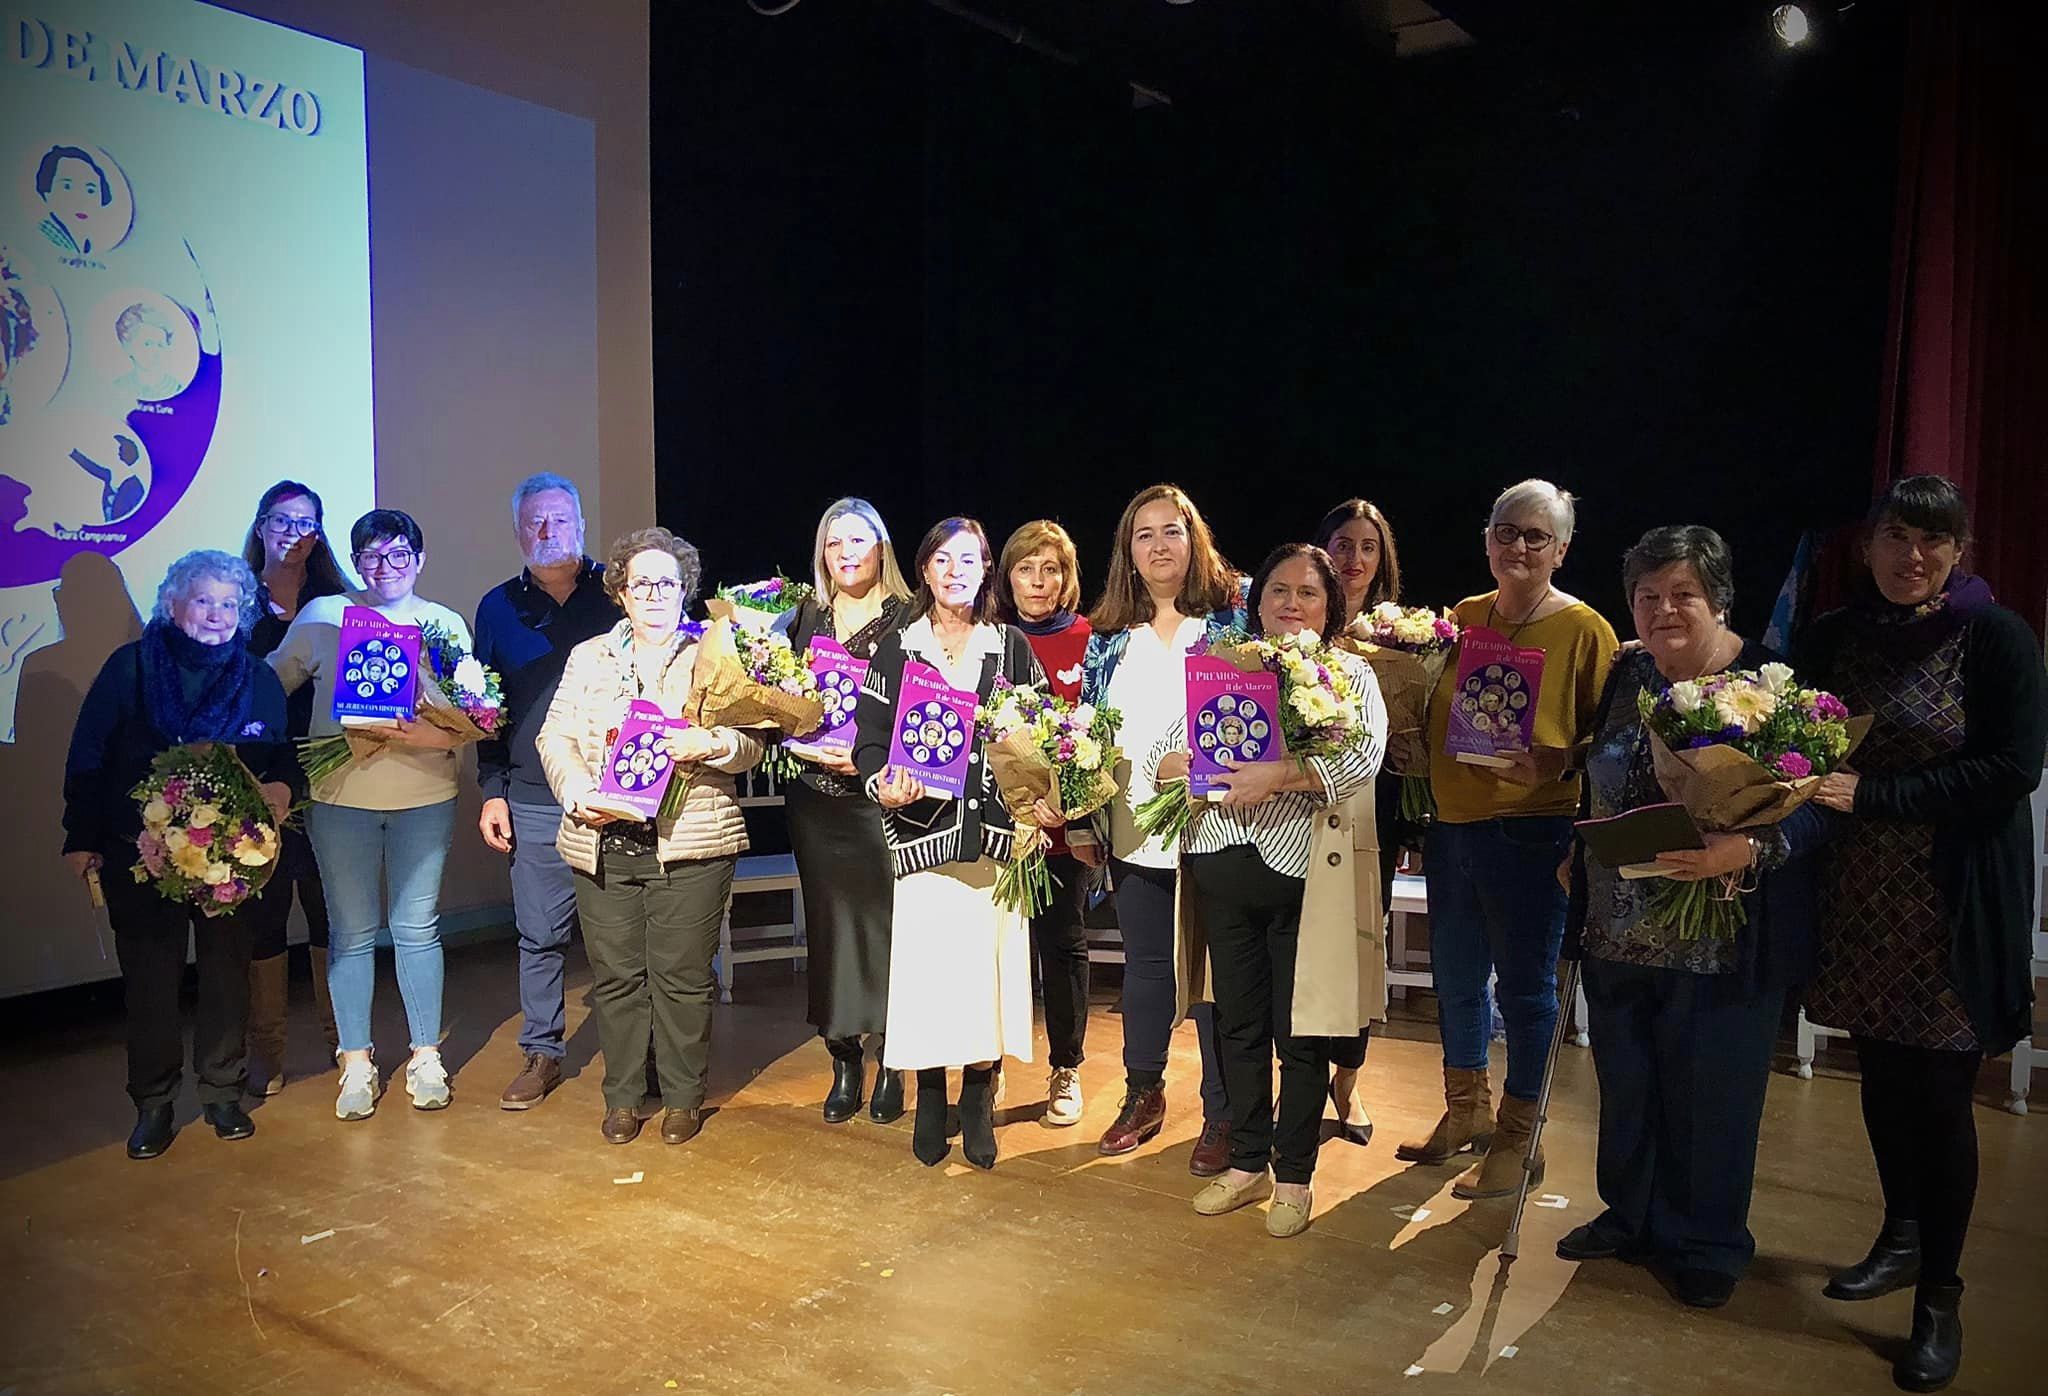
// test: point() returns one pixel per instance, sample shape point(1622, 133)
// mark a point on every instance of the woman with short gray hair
point(188, 679)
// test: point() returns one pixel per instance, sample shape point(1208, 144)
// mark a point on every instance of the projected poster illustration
point(184, 291)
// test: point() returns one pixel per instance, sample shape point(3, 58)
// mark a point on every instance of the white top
point(395, 777)
point(1150, 689)
point(963, 673)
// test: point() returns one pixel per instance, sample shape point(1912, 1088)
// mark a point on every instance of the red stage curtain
point(1965, 390)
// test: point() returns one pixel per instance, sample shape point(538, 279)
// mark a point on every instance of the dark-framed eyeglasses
point(396, 560)
point(1534, 539)
point(654, 588)
point(291, 525)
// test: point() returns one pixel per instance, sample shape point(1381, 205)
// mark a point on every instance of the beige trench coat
point(1340, 966)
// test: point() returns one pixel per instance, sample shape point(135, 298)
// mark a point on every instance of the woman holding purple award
point(959, 965)
point(835, 832)
point(386, 818)
point(1505, 801)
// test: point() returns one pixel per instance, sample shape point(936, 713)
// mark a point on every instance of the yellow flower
point(250, 853)
point(174, 838)
point(1745, 706)
point(1087, 752)
point(189, 860)
point(156, 814)
point(204, 816)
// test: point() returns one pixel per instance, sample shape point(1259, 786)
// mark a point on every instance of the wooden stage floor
point(482, 1251)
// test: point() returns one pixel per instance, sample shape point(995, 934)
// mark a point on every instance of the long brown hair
point(922, 601)
point(1210, 585)
point(323, 573)
point(1386, 583)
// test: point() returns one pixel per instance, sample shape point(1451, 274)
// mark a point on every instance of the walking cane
point(1567, 994)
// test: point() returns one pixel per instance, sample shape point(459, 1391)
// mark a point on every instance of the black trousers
point(1923, 1132)
point(1253, 919)
point(1144, 918)
point(1060, 937)
point(270, 914)
point(150, 933)
point(1683, 1061)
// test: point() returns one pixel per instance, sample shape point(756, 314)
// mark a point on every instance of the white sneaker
point(1062, 1098)
point(358, 1098)
point(426, 1081)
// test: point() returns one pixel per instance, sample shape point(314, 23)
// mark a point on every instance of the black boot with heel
point(843, 1101)
point(978, 1117)
point(928, 1132)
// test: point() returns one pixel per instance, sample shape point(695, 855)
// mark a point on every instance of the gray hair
point(541, 483)
point(1539, 494)
point(208, 565)
point(1704, 550)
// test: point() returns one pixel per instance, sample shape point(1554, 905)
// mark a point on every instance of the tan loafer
point(1222, 1195)
point(1285, 1219)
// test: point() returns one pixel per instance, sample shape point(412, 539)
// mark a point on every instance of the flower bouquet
point(1408, 647)
point(1740, 750)
point(208, 836)
point(1322, 713)
point(756, 606)
point(1042, 747)
point(748, 678)
point(458, 693)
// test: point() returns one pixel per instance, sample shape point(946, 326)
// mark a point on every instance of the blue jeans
point(544, 907)
point(1495, 906)
point(360, 851)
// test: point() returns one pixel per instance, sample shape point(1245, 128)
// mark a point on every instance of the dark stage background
point(1640, 250)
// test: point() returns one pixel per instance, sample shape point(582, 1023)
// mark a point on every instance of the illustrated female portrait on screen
point(17, 329)
point(161, 350)
point(86, 204)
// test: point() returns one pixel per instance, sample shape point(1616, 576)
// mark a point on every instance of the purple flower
point(1826, 706)
point(1792, 766)
point(1697, 742)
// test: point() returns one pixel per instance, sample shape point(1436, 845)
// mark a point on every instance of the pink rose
point(199, 838)
point(227, 892)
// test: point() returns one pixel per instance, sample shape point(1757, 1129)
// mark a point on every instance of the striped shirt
point(1280, 828)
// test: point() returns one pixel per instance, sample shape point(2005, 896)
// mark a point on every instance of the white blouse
point(1150, 689)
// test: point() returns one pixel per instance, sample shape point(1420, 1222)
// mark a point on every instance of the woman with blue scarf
point(190, 678)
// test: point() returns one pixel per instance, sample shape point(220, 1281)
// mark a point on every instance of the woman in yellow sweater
point(1491, 858)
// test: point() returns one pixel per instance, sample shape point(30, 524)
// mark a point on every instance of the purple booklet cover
point(934, 730)
point(1230, 713)
point(638, 766)
point(1493, 708)
point(376, 668)
point(839, 678)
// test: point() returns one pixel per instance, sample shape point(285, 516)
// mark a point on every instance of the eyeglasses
point(291, 525)
point(396, 560)
point(654, 588)
point(1535, 539)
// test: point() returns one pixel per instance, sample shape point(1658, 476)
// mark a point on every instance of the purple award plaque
point(376, 668)
point(839, 677)
point(638, 766)
point(1230, 713)
point(1493, 708)
point(933, 731)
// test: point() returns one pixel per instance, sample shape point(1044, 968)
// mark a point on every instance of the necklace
point(1524, 622)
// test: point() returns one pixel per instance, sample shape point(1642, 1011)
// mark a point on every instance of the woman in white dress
point(959, 965)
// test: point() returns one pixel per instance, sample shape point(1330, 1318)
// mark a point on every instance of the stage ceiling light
point(1790, 24)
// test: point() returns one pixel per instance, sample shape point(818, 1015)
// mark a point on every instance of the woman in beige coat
point(650, 893)
point(1270, 899)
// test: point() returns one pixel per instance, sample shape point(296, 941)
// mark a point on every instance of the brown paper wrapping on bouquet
point(745, 617)
point(438, 708)
point(257, 877)
point(1726, 791)
point(1024, 774)
point(721, 694)
point(1406, 683)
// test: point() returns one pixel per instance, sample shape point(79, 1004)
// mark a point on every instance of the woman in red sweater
point(1038, 585)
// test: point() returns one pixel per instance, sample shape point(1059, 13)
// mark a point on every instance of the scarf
point(1924, 628)
point(1058, 623)
point(220, 708)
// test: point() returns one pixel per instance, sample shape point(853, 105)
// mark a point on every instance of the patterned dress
point(1886, 941)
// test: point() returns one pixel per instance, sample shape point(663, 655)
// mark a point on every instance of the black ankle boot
point(1936, 1348)
point(230, 1120)
point(1893, 1264)
point(842, 1102)
point(928, 1134)
point(978, 1117)
point(153, 1133)
point(886, 1105)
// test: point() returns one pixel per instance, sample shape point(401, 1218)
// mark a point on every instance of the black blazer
point(930, 832)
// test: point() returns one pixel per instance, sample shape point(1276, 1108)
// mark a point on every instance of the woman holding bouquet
point(188, 679)
point(1683, 1028)
point(1360, 543)
point(1168, 592)
point(1038, 585)
point(1268, 866)
point(959, 966)
point(650, 893)
point(1492, 855)
point(1926, 909)
point(835, 830)
point(286, 547)
point(387, 818)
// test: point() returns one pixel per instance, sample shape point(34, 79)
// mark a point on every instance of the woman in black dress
point(1924, 955)
point(835, 830)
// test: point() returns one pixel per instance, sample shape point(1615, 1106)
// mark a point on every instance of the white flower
point(1084, 717)
point(174, 838)
point(1315, 704)
point(1686, 697)
point(204, 816)
point(469, 675)
point(1308, 639)
point(1087, 752)
point(1776, 678)
point(216, 873)
point(156, 814)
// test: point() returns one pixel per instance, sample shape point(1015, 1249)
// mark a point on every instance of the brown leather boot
point(1467, 1120)
point(321, 1001)
point(1500, 1172)
point(267, 985)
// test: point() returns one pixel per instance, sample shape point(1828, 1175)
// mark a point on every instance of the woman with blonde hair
point(835, 831)
point(1168, 591)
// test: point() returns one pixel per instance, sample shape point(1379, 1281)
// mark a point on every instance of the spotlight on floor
point(1791, 25)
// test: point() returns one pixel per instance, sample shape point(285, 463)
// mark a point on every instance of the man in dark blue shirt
point(525, 630)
